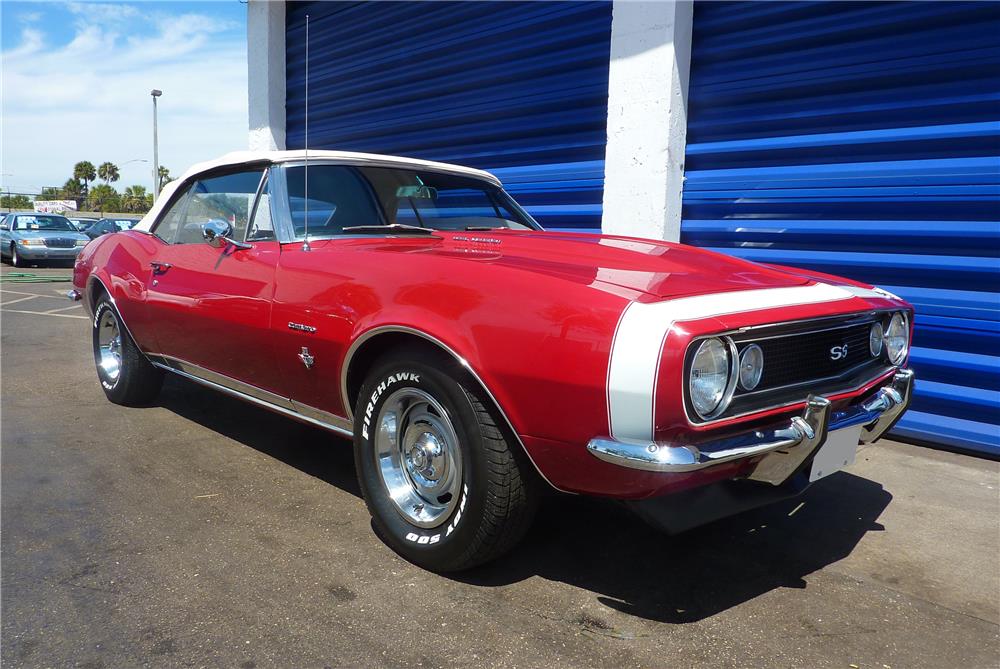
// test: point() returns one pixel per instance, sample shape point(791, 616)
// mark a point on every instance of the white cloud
point(88, 98)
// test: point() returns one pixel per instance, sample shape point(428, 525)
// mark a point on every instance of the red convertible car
point(475, 358)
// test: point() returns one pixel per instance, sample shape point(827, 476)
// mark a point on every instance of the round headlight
point(875, 336)
point(751, 366)
point(709, 380)
point(897, 338)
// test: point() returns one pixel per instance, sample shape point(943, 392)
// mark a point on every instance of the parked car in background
point(81, 223)
point(26, 238)
point(475, 358)
point(107, 225)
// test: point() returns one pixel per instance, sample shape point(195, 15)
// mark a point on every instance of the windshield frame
point(284, 228)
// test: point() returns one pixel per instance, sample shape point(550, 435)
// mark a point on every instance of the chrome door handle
point(160, 267)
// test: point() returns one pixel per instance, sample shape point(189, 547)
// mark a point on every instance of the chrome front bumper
point(785, 448)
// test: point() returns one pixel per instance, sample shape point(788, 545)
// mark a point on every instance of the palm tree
point(134, 199)
point(165, 177)
point(108, 172)
point(84, 171)
point(71, 191)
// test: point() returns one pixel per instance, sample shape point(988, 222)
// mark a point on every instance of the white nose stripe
point(635, 351)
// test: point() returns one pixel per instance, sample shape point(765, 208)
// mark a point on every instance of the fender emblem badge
point(306, 358)
point(300, 327)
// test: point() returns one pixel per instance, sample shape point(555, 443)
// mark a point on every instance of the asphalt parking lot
point(205, 532)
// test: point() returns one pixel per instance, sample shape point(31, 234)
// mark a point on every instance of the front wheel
point(444, 486)
point(15, 258)
point(126, 376)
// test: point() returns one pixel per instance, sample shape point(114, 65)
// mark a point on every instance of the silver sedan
point(26, 238)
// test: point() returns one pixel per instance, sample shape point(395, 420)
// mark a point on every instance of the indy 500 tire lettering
point(441, 481)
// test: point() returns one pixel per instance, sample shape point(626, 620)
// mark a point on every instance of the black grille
point(60, 242)
point(806, 357)
point(799, 359)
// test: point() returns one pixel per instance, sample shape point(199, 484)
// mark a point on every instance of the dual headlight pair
point(717, 367)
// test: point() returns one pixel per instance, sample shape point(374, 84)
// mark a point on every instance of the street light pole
point(156, 158)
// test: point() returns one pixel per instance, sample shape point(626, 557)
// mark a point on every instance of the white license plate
point(839, 451)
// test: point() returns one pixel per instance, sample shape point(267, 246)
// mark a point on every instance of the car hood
point(657, 268)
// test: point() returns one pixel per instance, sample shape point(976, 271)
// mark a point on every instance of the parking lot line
point(56, 311)
point(41, 313)
point(20, 299)
point(20, 292)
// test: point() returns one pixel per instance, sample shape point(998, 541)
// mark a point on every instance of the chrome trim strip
point(258, 402)
point(368, 334)
point(851, 314)
point(785, 447)
point(323, 416)
point(253, 394)
point(808, 332)
point(173, 363)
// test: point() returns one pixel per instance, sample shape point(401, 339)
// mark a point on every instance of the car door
point(5, 234)
point(318, 295)
point(211, 306)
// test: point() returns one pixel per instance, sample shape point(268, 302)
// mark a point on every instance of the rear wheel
point(445, 487)
point(126, 376)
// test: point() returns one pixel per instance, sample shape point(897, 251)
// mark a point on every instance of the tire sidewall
point(445, 544)
point(103, 306)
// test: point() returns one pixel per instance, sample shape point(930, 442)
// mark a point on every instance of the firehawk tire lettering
point(379, 389)
point(494, 497)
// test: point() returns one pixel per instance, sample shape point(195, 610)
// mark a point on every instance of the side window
point(226, 198)
point(170, 221)
point(261, 227)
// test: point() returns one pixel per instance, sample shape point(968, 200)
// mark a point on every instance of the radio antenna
point(305, 240)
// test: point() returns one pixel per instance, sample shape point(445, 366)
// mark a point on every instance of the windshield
point(122, 223)
point(342, 196)
point(43, 223)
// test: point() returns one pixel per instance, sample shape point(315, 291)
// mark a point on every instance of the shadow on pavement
point(602, 547)
point(312, 450)
point(599, 545)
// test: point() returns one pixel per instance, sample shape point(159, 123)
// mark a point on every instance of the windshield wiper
point(394, 228)
point(484, 228)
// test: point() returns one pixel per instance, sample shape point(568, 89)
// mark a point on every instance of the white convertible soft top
point(346, 157)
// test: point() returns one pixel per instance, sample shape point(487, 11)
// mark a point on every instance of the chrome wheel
point(418, 457)
point(109, 348)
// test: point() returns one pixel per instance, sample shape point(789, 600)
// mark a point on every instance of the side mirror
point(219, 234)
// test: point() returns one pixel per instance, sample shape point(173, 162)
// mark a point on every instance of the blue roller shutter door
point(516, 88)
point(863, 139)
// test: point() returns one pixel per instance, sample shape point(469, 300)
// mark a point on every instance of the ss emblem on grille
point(838, 352)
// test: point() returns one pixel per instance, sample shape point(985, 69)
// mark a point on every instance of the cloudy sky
point(75, 82)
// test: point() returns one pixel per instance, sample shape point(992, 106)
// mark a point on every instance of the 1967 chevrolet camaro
point(475, 358)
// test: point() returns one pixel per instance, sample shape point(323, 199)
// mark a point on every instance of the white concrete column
point(266, 65)
point(647, 118)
